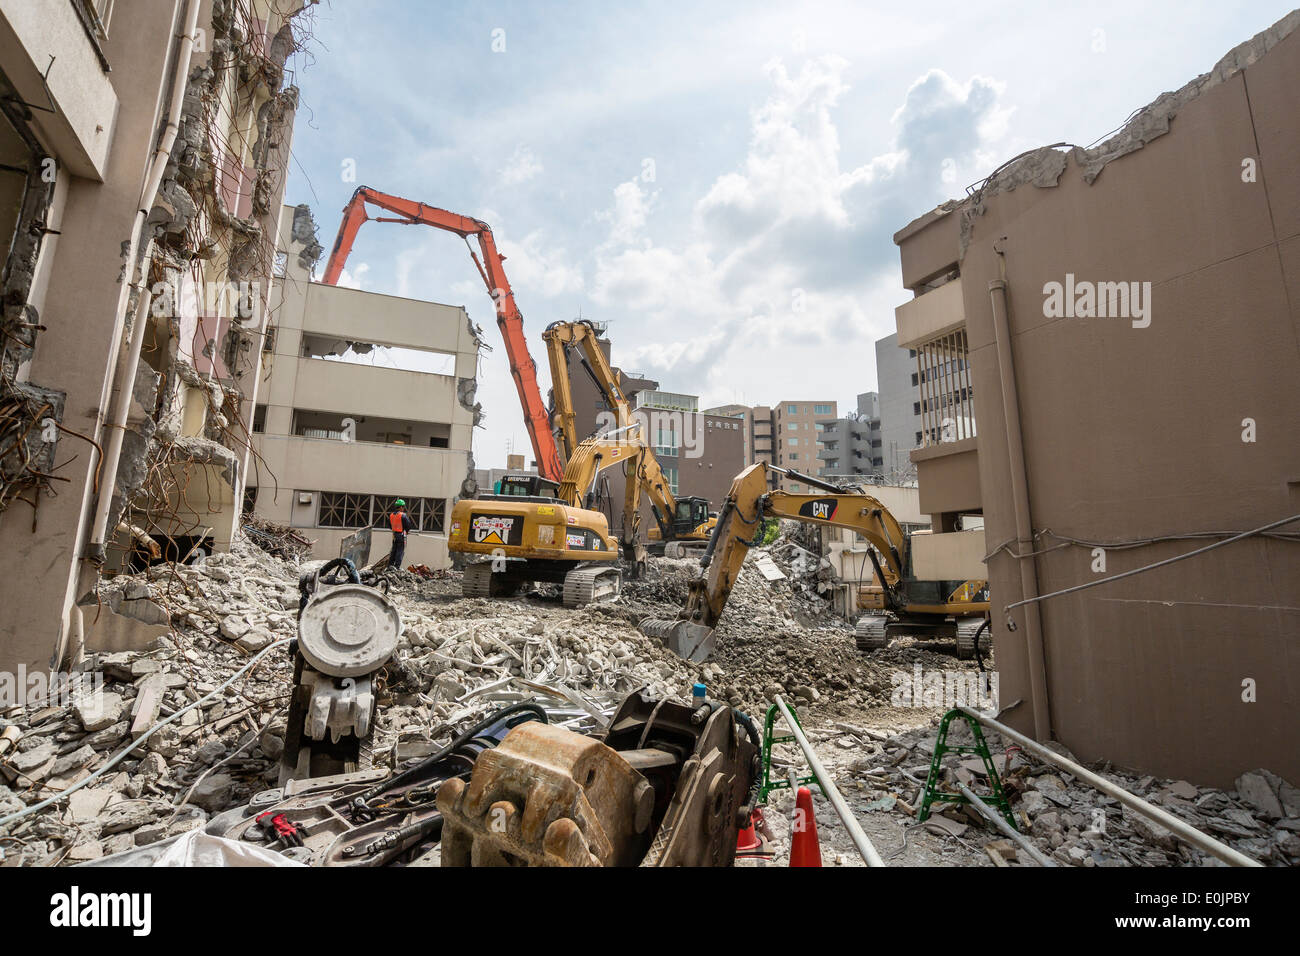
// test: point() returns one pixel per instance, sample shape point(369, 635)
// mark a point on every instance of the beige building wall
point(67, 305)
point(796, 437)
point(411, 429)
point(1137, 430)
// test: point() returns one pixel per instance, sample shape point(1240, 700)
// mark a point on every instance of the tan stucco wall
point(75, 291)
point(1137, 432)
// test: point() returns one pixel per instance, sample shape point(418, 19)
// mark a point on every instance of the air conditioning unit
point(304, 497)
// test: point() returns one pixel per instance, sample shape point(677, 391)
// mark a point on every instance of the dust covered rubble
point(882, 774)
point(456, 663)
point(459, 659)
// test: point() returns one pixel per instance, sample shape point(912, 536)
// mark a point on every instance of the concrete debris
point(275, 539)
point(459, 659)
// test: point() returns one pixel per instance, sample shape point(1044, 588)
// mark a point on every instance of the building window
point(259, 418)
point(433, 515)
point(250, 500)
point(822, 410)
point(343, 510)
point(792, 409)
point(793, 456)
point(794, 486)
point(671, 475)
point(793, 442)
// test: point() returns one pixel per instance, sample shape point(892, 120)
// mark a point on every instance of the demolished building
point(147, 146)
point(365, 398)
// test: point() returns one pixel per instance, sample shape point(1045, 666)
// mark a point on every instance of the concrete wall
point(1131, 433)
point(75, 294)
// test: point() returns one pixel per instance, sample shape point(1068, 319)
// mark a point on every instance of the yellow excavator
point(682, 525)
point(537, 530)
point(930, 608)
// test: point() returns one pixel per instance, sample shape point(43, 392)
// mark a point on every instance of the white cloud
point(537, 263)
point(782, 282)
point(521, 167)
point(352, 278)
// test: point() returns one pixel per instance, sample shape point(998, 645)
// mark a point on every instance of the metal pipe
point(860, 839)
point(1135, 803)
point(1034, 649)
point(983, 810)
point(126, 381)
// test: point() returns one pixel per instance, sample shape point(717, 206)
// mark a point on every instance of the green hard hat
point(399, 503)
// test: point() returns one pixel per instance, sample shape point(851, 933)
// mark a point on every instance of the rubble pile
point(460, 659)
point(1066, 819)
point(278, 540)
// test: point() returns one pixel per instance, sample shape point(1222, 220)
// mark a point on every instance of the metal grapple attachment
point(684, 638)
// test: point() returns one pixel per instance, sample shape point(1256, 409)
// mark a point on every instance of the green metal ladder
point(997, 799)
point(769, 724)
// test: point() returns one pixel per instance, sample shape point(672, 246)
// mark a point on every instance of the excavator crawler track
point(968, 631)
point(871, 632)
point(592, 584)
point(477, 580)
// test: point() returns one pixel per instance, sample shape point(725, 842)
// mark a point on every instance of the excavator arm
point(509, 318)
point(739, 528)
point(561, 338)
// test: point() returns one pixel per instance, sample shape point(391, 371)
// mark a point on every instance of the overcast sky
point(718, 181)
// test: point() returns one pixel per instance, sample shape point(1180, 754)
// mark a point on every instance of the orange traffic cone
point(804, 848)
point(747, 840)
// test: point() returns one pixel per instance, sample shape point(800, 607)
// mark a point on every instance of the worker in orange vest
point(401, 523)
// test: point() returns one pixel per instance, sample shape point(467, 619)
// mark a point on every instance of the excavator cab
point(691, 513)
point(527, 486)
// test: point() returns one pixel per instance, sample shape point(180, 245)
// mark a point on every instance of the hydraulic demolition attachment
point(347, 632)
point(670, 785)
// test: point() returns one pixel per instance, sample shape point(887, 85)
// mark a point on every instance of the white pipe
point(860, 839)
point(126, 380)
point(1135, 803)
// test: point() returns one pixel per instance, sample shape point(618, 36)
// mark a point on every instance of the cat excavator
point(681, 524)
point(539, 530)
point(907, 605)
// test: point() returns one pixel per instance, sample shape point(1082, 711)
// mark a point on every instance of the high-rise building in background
point(852, 445)
point(899, 394)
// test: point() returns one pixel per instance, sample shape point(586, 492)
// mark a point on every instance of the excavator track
point(968, 631)
point(477, 580)
point(592, 584)
point(871, 632)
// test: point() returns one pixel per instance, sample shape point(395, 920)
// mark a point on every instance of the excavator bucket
point(685, 639)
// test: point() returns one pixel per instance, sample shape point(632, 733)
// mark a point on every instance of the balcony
point(350, 389)
point(930, 316)
point(85, 105)
point(365, 467)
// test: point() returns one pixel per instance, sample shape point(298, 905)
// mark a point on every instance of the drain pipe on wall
point(125, 377)
point(1036, 658)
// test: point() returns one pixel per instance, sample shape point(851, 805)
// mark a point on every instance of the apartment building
point(852, 445)
point(1121, 322)
point(796, 430)
point(367, 398)
point(898, 381)
point(145, 152)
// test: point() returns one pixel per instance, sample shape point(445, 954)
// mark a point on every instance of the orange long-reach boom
point(509, 318)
